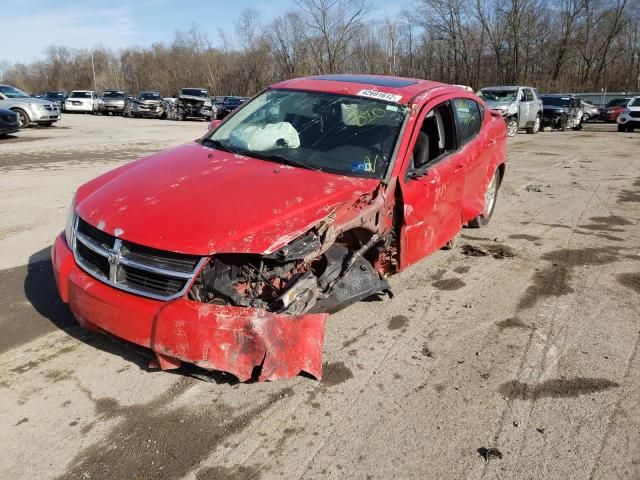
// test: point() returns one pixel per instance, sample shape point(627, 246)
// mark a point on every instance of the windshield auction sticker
point(389, 97)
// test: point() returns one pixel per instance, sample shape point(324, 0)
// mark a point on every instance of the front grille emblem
point(113, 257)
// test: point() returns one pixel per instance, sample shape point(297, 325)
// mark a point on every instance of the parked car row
point(523, 108)
point(44, 110)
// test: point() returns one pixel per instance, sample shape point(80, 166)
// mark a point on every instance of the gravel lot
point(512, 356)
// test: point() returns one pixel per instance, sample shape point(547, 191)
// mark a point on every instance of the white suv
point(81, 101)
point(630, 116)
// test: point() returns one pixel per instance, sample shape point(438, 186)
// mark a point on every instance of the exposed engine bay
point(304, 276)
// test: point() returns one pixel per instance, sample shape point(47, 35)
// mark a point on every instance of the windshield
point(113, 95)
point(54, 95)
point(556, 101)
point(233, 101)
point(635, 102)
point(340, 134)
point(618, 102)
point(150, 96)
point(13, 92)
point(498, 95)
point(80, 95)
point(194, 92)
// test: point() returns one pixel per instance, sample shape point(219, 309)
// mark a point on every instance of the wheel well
point(18, 109)
point(501, 169)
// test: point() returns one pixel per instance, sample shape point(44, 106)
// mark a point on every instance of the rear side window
point(468, 118)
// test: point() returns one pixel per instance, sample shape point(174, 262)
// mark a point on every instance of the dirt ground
point(512, 356)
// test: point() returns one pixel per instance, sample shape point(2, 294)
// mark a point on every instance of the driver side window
point(436, 139)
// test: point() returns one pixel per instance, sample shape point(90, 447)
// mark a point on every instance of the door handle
point(491, 142)
point(458, 168)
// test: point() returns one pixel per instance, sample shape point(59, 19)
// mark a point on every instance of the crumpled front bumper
point(229, 339)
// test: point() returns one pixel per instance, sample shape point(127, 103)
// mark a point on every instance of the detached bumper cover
point(229, 339)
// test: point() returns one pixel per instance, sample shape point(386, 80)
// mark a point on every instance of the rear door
point(478, 149)
point(433, 184)
point(523, 109)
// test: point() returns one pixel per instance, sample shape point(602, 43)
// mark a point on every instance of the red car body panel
point(229, 339)
point(160, 200)
point(202, 201)
point(610, 114)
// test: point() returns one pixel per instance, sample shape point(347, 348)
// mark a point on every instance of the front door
point(432, 187)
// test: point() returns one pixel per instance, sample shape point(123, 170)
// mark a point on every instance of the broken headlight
point(282, 281)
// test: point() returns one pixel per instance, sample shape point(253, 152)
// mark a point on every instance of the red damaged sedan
point(230, 252)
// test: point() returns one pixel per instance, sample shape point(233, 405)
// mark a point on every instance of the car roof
point(507, 87)
point(89, 91)
point(404, 88)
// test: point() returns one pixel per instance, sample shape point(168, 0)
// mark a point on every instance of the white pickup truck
point(520, 106)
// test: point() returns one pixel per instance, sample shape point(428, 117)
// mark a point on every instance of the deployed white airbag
point(265, 137)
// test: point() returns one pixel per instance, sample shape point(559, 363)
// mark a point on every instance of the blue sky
point(36, 24)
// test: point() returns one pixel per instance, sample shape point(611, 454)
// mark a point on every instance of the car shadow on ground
point(41, 291)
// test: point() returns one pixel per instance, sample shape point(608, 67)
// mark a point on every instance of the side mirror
point(214, 124)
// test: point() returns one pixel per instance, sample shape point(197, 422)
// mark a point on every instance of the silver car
point(29, 109)
point(520, 106)
point(111, 102)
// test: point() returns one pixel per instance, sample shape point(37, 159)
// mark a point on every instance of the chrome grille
point(131, 267)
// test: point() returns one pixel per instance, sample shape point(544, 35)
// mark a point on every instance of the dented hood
point(197, 200)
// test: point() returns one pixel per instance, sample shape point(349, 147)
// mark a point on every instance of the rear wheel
point(490, 197)
point(536, 126)
point(23, 118)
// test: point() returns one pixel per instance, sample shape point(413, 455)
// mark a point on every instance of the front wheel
point(536, 126)
point(622, 128)
point(490, 197)
point(23, 119)
point(512, 126)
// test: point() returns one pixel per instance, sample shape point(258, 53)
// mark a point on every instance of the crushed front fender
point(236, 340)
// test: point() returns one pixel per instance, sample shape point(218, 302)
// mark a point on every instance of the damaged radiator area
point(304, 276)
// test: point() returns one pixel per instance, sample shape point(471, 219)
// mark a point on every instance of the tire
point(490, 199)
point(23, 118)
point(536, 126)
point(562, 124)
point(622, 128)
point(586, 117)
point(450, 244)
point(512, 126)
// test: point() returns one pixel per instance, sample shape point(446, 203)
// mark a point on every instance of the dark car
point(56, 96)
point(146, 104)
point(229, 104)
point(561, 112)
point(9, 122)
point(614, 108)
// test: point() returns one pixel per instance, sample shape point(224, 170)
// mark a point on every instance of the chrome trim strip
point(90, 244)
point(142, 266)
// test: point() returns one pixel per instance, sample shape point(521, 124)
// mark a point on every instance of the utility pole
point(93, 68)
